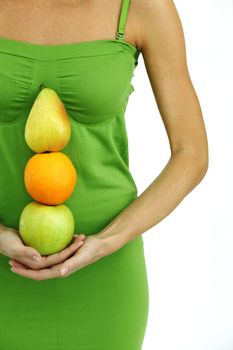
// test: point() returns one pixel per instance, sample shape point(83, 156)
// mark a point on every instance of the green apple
point(47, 228)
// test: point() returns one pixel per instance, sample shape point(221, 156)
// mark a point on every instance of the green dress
point(103, 306)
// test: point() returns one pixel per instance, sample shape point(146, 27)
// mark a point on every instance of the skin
point(155, 28)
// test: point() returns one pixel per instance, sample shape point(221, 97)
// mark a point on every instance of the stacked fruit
point(50, 177)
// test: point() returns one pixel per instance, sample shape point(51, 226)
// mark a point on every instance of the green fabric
point(104, 306)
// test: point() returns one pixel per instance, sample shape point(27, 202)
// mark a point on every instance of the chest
point(93, 79)
point(52, 22)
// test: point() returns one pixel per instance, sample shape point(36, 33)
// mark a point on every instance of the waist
point(93, 208)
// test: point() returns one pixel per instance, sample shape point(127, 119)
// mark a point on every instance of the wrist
point(113, 238)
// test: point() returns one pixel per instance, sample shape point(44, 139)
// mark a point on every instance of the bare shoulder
point(160, 37)
point(159, 30)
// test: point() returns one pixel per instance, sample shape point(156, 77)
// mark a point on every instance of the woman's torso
point(93, 78)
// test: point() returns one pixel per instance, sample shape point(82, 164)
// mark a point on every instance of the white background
point(189, 254)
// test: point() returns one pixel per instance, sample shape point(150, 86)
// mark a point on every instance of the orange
point(50, 177)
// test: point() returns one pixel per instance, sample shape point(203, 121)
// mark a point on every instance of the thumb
point(31, 253)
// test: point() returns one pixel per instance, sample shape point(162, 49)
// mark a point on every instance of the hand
point(12, 246)
point(92, 250)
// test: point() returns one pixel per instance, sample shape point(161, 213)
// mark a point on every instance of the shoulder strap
point(123, 15)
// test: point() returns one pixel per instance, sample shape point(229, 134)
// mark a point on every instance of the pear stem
point(42, 86)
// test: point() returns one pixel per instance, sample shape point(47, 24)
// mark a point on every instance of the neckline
point(80, 43)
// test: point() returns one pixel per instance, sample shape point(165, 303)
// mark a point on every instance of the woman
point(93, 295)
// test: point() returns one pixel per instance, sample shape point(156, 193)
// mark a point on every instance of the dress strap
point(123, 15)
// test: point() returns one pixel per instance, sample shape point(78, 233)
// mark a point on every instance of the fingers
point(53, 271)
point(87, 254)
point(64, 254)
point(74, 264)
point(26, 255)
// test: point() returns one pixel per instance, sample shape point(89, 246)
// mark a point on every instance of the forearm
point(180, 175)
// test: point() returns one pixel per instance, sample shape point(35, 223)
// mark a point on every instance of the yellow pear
point(47, 127)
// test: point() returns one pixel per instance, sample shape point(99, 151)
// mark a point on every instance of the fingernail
point(10, 262)
point(12, 270)
point(35, 258)
point(64, 270)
